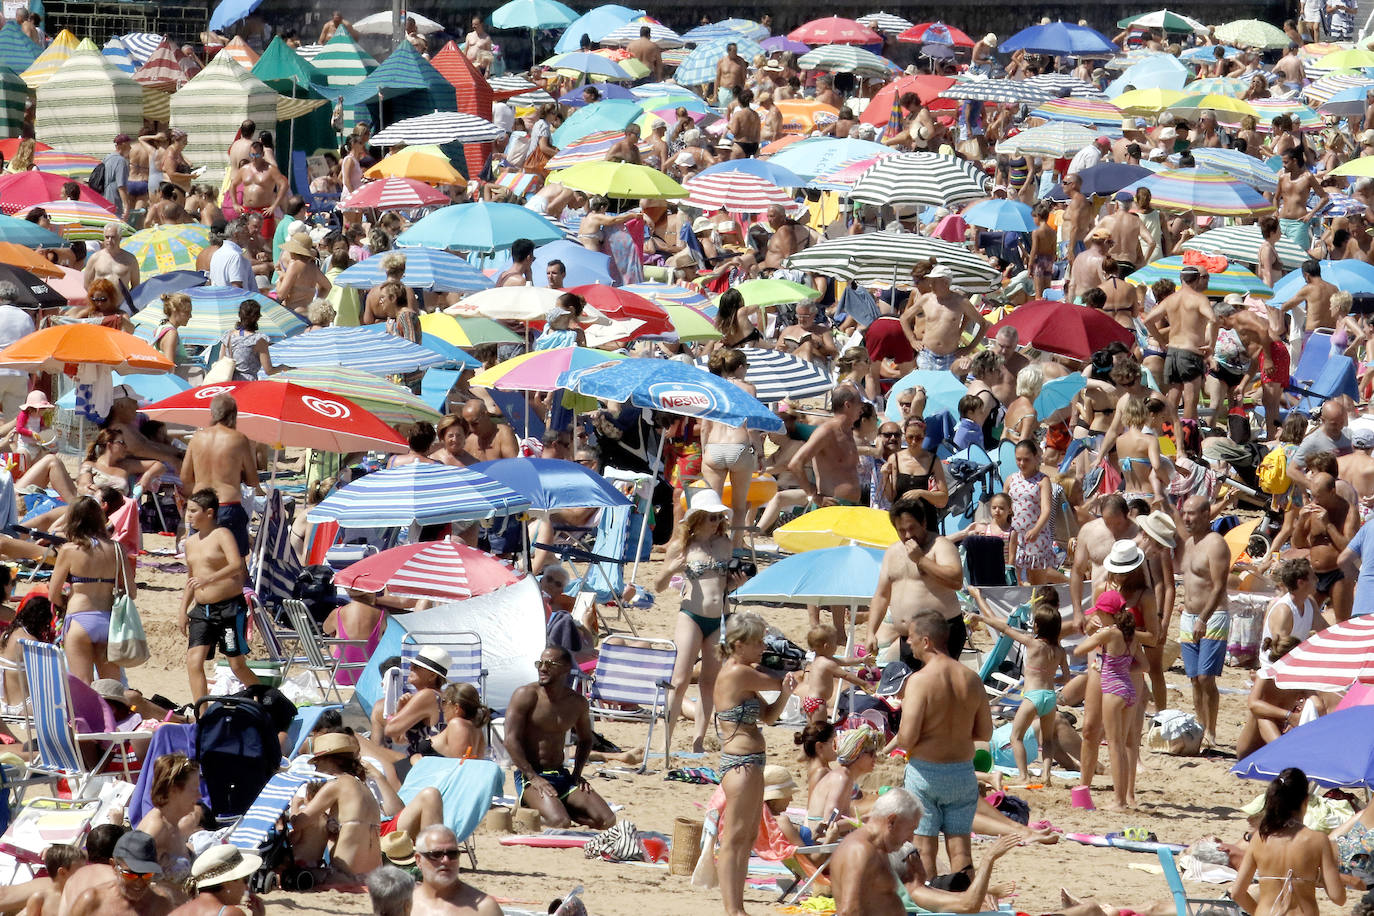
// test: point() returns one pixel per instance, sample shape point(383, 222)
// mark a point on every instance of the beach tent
point(14, 95)
point(119, 55)
point(54, 56)
point(86, 102)
point(211, 107)
point(474, 97)
point(163, 69)
point(239, 50)
point(290, 75)
point(404, 86)
point(343, 63)
point(17, 50)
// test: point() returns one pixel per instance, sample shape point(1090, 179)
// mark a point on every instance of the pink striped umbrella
point(395, 193)
point(849, 173)
point(1330, 659)
point(735, 192)
point(592, 148)
point(429, 569)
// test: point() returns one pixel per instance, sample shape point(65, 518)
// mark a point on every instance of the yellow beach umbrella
point(836, 526)
point(422, 163)
point(1195, 104)
point(619, 179)
point(1356, 58)
point(1146, 101)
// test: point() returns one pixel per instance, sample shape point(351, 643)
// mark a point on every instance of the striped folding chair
point(258, 824)
point(315, 646)
point(278, 642)
point(464, 648)
point(273, 566)
point(636, 673)
point(56, 739)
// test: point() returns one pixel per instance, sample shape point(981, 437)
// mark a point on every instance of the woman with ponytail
point(1287, 859)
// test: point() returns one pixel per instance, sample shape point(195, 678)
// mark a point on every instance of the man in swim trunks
point(213, 610)
point(948, 314)
point(1296, 185)
point(944, 711)
point(222, 458)
point(731, 72)
point(537, 722)
point(263, 188)
point(1204, 625)
point(745, 126)
point(831, 452)
point(1191, 335)
point(1324, 527)
point(921, 572)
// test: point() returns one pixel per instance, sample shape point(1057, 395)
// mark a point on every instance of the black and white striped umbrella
point(510, 82)
point(777, 375)
point(886, 22)
point(876, 257)
point(439, 127)
point(1006, 92)
point(920, 178)
point(1060, 84)
point(660, 35)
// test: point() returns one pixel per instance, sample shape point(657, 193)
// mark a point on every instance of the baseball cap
point(1362, 438)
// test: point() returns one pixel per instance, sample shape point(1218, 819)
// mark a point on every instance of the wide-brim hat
point(704, 500)
point(398, 848)
point(1125, 556)
point(224, 863)
point(433, 659)
point(1160, 528)
point(332, 745)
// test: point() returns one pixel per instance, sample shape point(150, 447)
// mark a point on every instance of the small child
point(998, 525)
point(561, 327)
point(31, 421)
point(970, 429)
point(60, 860)
point(1046, 667)
point(1121, 652)
point(818, 684)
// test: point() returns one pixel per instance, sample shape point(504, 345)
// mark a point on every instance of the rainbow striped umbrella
point(68, 165)
point(666, 294)
point(163, 249)
point(591, 148)
point(466, 330)
point(1204, 192)
point(215, 312)
point(1319, 92)
point(691, 324)
point(1079, 111)
point(78, 220)
point(1266, 110)
point(1234, 279)
point(388, 402)
point(539, 370)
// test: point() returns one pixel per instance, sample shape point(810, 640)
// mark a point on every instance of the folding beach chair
point(314, 646)
point(1193, 906)
point(278, 642)
point(300, 177)
point(464, 648)
point(467, 788)
point(262, 829)
point(272, 565)
point(636, 673)
point(44, 821)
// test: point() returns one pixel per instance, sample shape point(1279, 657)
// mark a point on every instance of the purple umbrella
point(931, 49)
point(574, 98)
point(782, 43)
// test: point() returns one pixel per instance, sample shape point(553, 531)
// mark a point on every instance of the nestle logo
point(683, 399)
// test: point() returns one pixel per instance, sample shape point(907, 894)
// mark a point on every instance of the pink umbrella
point(71, 285)
point(429, 569)
point(835, 30)
point(951, 229)
point(847, 174)
point(735, 192)
point(395, 194)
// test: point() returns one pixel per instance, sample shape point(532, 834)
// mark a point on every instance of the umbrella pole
point(648, 501)
point(849, 648)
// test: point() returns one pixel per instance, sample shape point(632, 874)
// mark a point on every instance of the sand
point(1181, 799)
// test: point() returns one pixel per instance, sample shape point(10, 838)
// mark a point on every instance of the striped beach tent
point(343, 63)
point(141, 44)
point(213, 104)
point(296, 79)
point(162, 70)
point(404, 86)
point(242, 54)
point(473, 94)
point(87, 102)
point(53, 57)
point(14, 95)
point(17, 50)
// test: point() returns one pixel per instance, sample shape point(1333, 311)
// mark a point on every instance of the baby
point(818, 685)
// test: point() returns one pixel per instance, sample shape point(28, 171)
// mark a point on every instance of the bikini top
point(698, 571)
point(744, 713)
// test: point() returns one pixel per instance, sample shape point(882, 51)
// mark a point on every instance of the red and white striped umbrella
point(395, 193)
point(436, 569)
point(735, 192)
point(1331, 659)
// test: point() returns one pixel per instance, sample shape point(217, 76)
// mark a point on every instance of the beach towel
point(170, 738)
point(770, 844)
point(467, 787)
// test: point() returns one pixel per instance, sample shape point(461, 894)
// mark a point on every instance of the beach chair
point(57, 742)
point(1193, 906)
point(278, 642)
point(272, 564)
point(262, 828)
point(634, 673)
point(315, 646)
point(467, 788)
point(300, 177)
point(44, 821)
point(464, 648)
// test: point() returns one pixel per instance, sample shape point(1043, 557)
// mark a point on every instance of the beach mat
point(1095, 839)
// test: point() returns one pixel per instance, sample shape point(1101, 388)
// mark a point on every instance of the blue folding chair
point(1193, 906)
point(307, 717)
point(300, 177)
point(259, 823)
point(634, 673)
point(465, 651)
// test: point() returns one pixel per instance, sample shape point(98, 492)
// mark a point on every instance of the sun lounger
point(467, 788)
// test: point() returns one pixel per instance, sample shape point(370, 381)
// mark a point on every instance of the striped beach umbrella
point(427, 493)
point(881, 256)
point(1057, 139)
point(215, 312)
point(1195, 103)
point(438, 128)
point(367, 348)
point(700, 66)
point(1219, 85)
point(746, 27)
point(394, 194)
point(77, 220)
point(510, 83)
point(1304, 118)
point(426, 268)
point(141, 45)
point(735, 192)
point(920, 178)
point(1204, 192)
point(1242, 166)
point(666, 294)
point(1233, 279)
point(659, 34)
point(1167, 20)
point(1061, 84)
point(162, 249)
point(1331, 659)
point(1319, 91)
point(1252, 33)
point(392, 404)
point(886, 22)
point(1005, 92)
point(539, 370)
point(51, 60)
point(446, 570)
point(1242, 243)
point(68, 165)
point(840, 58)
point(1079, 111)
point(466, 330)
point(776, 375)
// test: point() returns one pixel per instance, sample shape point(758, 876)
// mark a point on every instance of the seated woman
point(1273, 710)
point(340, 815)
point(360, 615)
point(832, 800)
point(109, 464)
point(465, 734)
point(176, 813)
point(33, 620)
point(419, 714)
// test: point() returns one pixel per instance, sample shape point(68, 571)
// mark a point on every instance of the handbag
point(221, 370)
point(127, 645)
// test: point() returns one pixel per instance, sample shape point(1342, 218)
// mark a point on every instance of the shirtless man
point(336, 22)
point(216, 574)
point(223, 459)
point(647, 52)
point(1077, 215)
point(302, 282)
point(770, 118)
point(731, 72)
point(1086, 270)
point(1296, 185)
point(1044, 248)
point(477, 42)
point(537, 724)
point(241, 150)
point(626, 149)
point(921, 572)
point(788, 238)
point(944, 712)
point(1253, 334)
point(1290, 68)
point(443, 892)
point(1204, 625)
point(1094, 543)
point(110, 262)
point(1315, 293)
point(1323, 529)
point(1127, 234)
point(134, 891)
point(169, 209)
point(948, 314)
point(1191, 336)
point(832, 455)
point(1004, 344)
point(862, 876)
point(826, 94)
point(264, 188)
point(1357, 469)
point(356, 849)
point(745, 126)
point(487, 439)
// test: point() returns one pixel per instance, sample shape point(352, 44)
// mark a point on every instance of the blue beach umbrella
point(553, 483)
point(588, 64)
point(1003, 215)
point(766, 169)
point(596, 25)
point(1062, 39)
point(574, 99)
point(532, 14)
point(1348, 274)
point(368, 348)
point(31, 235)
point(479, 227)
point(174, 281)
point(943, 391)
point(833, 575)
point(1242, 166)
point(426, 268)
point(822, 155)
point(231, 11)
point(582, 264)
point(611, 114)
point(1104, 180)
point(1336, 750)
point(1058, 393)
point(429, 493)
point(672, 387)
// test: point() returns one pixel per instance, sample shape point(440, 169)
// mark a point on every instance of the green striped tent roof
point(17, 50)
point(343, 62)
point(14, 94)
point(280, 63)
point(53, 57)
point(405, 85)
point(86, 102)
point(212, 105)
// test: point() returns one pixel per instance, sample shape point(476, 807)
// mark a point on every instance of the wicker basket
point(686, 846)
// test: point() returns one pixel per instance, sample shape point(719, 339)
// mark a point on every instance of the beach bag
point(1273, 472)
point(618, 844)
point(128, 645)
point(1175, 732)
point(97, 178)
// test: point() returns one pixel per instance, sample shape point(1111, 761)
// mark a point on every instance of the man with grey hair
point(876, 871)
point(230, 266)
point(441, 891)
point(111, 262)
point(391, 891)
point(14, 324)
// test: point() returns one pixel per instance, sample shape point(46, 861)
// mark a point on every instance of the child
point(1120, 652)
point(60, 860)
point(32, 420)
point(1046, 667)
point(998, 525)
point(818, 685)
point(970, 429)
point(562, 329)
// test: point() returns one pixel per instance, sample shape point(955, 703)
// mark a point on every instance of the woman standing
point(699, 550)
point(1286, 858)
point(914, 472)
point(402, 320)
point(1032, 505)
point(729, 452)
point(742, 748)
point(738, 324)
point(246, 345)
point(1137, 452)
point(87, 565)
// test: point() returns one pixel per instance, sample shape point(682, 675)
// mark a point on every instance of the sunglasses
point(130, 875)
point(891, 435)
point(438, 855)
point(100, 298)
point(547, 663)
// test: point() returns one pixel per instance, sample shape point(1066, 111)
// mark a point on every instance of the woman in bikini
point(857, 755)
point(1287, 859)
point(738, 324)
point(33, 621)
point(1123, 299)
point(465, 733)
point(342, 814)
point(87, 565)
point(418, 715)
point(914, 472)
point(742, 748)
point(595, 227)
point(360, 615)
point(108, 464)
point(700, 551)
point(1020, 421)
point(730, 452)
point(817, 742)
point(1137, 452)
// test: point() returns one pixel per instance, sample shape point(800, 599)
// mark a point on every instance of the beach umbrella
point(1001, 215)
point(1351, 275)
point(1061, 327)
point(381, 23)
point(801, 116)
point(610, 114)
point(1104, 180)
point(726, 28)
point(1062, 39)
point(621, 305)
point(927, 88)
point(76, 220)
point(838, 58)
point(691, 324)
point(659, 34)
point(540, 370)
point(1348, 102)
point(699, 67)
point(423, 493)
point(368, 348)
point(394, 194)
point(835, 30)
point(1257, 173)
point(943, 391)
point(1062, 85)
point(1202, 191)
point(22, 190)
point(836, 526)
point(1330, 660)
point(1001, 91)
point(437, 128)
point(781, 44)
point(768, 292)
point(423, 163)
point(22, 232)
point(672, 387)
point(68, 165)
point(593, 148)
point(830, 575)
point(766, 169)
point(573, 97)
point(1346, 59)
point(1166, 20)
point(776, 375)
point(584, 63)
point(1196, 103)
point(881, 256)
point(52, 349)
point(1361, 167)
point(1234, 279)
point(551, 484)
point(479, 226)
point(215, 312)
point(1335, 751)
point(466, 331)
point(920, 178)
point(393, 404)
point(228, 12)
point(1220, 85)
point(580, 264)
point(1080, 111)
point(510, 303)
point(532, 14)
point(141, 45)
point(1057, 140)
point(26, 258)
point(1059, 393)
point(282, 415)
point(594, 24)
point(666, 294)
point(174, 281)
point(936, 33)
point(438, 570)
point(885, 22)
point(1322, 90)
point(1242, 243)
point(1147, 101)
point(426, 268)
point(735, 192)
point(1158, 71)
point(167, 247)
point(619, 180)
point(34, 292)
point(1251, 33)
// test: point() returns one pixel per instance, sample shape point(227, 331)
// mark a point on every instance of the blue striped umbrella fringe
point(368, 348)
point(430, 494)
point(426, 268)
point(776, 375)
point(140, 45)
point(274, 565)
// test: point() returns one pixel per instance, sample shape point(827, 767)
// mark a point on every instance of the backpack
point(238, 750)
point(315, 587)
point(1273, 472)
point(97, 177)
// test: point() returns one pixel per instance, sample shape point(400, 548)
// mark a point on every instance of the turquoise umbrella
point(596, 25)
point(833, 575)
point(479, 227)
point(610, 114)
point(943, 391)
point(532, 14)
point(1002, 215)
point(22, 232)
point(822, 155)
